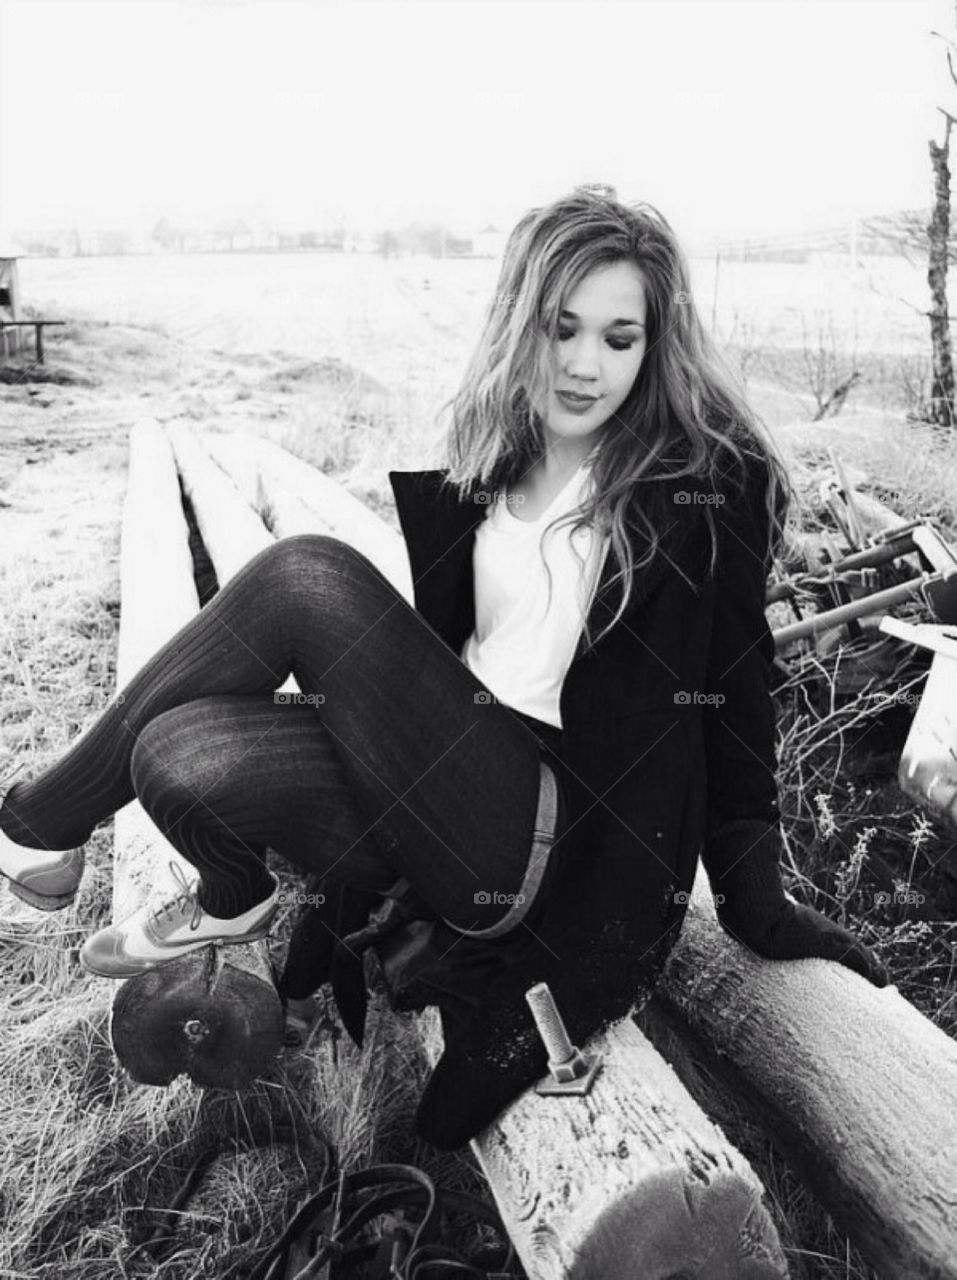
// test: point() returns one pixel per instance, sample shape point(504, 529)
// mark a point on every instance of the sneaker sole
point(146, 966)
point(42, 901)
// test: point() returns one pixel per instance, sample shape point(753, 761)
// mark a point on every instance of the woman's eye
point(564, 335)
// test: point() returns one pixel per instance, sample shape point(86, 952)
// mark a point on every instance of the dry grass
point(88, 1160)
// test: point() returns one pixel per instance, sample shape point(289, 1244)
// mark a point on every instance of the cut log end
point(203, 1016)
point(677, 1227)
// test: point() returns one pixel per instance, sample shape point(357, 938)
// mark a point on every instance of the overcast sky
point(732, 117)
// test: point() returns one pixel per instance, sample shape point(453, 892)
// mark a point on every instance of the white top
point(522, 646)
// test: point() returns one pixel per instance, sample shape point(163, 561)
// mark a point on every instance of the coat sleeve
point(739, 721)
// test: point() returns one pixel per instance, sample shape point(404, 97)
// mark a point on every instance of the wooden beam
point(158, 596)
point(215, 1014)
point(632, 1179)
point(296, 498)
point(857, 1088)
point(232, 531)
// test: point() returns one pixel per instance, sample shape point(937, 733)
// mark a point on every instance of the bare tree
point(828, 373)
point(917, 239)
point(941, 405)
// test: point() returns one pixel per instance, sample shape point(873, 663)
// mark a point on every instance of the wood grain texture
point(632, 1179)
point(300, 499)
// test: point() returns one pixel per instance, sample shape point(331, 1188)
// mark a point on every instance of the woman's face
point(601, 344)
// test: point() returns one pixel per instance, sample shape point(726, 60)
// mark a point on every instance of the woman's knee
point(175, 765)
point(303, 556)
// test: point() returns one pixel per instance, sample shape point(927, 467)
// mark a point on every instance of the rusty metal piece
point(880, 602)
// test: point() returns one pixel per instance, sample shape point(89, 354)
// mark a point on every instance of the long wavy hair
point(683, 408)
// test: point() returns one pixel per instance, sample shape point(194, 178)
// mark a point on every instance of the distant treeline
point(237, 236)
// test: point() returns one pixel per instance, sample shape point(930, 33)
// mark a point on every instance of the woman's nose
point(582, 361)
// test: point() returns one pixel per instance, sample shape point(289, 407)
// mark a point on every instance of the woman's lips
point(576, 404)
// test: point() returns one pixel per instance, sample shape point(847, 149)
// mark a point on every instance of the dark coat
point(667, 723)
point(666, 754)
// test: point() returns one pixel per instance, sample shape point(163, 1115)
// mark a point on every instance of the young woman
point(576, 709)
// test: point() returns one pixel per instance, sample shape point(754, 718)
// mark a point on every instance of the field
point(347, 360)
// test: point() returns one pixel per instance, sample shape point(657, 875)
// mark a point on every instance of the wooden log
point(297, 498)
point(158, 595)
point(630, 1179)
point(231, 529)
point(215, 1014)
point(855, 1086)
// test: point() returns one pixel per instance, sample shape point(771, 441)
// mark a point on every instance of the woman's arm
point(739, 724)
point(742, 847)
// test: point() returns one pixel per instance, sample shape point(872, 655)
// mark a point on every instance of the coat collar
point(439, 529)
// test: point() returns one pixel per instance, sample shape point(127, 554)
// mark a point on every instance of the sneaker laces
point(179, 904)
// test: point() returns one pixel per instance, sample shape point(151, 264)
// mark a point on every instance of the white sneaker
point(156, 934)
point(45, 878)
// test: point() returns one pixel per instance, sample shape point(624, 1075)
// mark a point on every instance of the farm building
point(9, 303)
point(489, 242)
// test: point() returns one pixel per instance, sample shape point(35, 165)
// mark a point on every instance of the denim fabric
point(392, 762)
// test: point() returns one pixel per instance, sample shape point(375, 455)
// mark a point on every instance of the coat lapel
point(439, 530)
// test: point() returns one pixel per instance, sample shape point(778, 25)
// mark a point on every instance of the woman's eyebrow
point(614, 324)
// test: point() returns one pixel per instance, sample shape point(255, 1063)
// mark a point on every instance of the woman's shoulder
point(743, 465)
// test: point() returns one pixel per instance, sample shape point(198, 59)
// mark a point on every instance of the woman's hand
point(743, 865)
point(797, 932)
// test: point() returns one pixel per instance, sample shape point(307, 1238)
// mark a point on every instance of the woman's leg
point(452, 783)
point(228, 776)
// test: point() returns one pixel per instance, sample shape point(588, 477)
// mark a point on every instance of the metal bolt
point(571, 1070)
point(549, 1022)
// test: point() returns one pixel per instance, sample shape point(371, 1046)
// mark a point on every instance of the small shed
point(489, 242)
point(9, 302)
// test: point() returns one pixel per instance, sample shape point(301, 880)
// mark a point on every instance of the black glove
point(743, 864)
